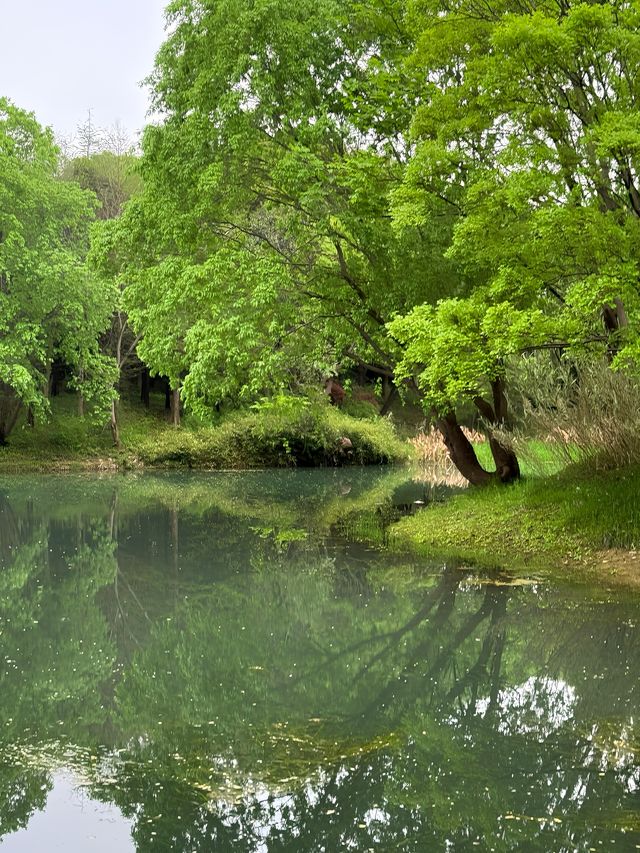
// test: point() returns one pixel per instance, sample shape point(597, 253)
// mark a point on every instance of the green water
point(226, 663)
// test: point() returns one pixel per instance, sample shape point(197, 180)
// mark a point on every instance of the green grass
point(65, 441)
point(564, 518)
point(272, 436)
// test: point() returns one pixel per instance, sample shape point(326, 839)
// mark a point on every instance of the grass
point(313, 434)
point(568, 518)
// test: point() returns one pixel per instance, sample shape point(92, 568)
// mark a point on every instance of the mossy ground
point(314, 435)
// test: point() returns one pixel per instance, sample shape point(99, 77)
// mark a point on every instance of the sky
point(61, 58)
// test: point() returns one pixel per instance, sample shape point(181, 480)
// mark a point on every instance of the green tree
point(529, 124)
point(112, 175)
point(49, 304)
point(261, 252)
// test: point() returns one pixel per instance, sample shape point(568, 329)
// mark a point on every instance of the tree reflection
point(237, 682)
point(55, 653)
point(331, 725)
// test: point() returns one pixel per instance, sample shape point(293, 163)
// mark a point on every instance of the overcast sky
point(60, 58)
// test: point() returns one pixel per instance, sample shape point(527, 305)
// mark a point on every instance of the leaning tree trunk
point(462, 452)
point(497, 415)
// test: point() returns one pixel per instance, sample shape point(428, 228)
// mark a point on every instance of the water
point(225, 662)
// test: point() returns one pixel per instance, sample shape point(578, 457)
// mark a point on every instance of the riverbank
point(576, 520)
point(311, 434)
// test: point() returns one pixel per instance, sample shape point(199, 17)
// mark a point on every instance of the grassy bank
point(313, 434)
point(574, 519)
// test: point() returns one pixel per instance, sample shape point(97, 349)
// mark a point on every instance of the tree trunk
point(53, 383)
point(461, 451)
point(506, 461)
point(175, 407)
point(145, 387)
point(390, 397)
point(614, 318)
point(10, 406)
point(115, 429)
point(80, 396)
point(167, 396)
point(497, 415)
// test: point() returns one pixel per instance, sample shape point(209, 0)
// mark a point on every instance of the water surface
point(235, 662)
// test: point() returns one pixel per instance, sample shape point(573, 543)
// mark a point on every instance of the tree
point(111, 174)
point(49, 304)
point(528, 124)
point(264, 239)
point(261, 252)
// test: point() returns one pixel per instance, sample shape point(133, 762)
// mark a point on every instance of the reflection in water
point(72, 821)
point(219, 663)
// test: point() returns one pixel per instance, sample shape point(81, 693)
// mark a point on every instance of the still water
point(235, 662)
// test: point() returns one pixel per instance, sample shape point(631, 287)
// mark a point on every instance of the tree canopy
point(529, 125)
point(261, 251)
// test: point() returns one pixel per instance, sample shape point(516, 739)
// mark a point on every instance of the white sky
point(60, 58)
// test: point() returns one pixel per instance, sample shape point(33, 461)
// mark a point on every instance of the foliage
point(111, 176)
point(49, 305)
point(528, 126)
point(305, 434)
point(260, 253)
point(360, 409)
point(278, 435)
point(578, 410)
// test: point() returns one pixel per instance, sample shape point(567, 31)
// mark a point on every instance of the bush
point(279, 432)
point(363, 409)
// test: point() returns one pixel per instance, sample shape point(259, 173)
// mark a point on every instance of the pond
point(235, 662)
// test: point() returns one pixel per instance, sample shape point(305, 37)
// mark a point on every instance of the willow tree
point(49, 306)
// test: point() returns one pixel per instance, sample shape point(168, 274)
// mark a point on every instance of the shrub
point(363, 409)
point(280, 432)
